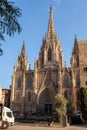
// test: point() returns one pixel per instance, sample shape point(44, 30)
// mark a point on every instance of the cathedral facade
point(35, 90)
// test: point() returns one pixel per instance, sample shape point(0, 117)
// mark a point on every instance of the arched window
point(77, 59)
point(66, 81)
point(77, 80)
point(19, 83)
point(29, 82)
point(66, 94)
point(49, 55)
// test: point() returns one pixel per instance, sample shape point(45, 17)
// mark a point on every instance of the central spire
point(51, 29)
point(23, 52)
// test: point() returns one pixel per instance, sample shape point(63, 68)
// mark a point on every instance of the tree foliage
point(83, 93)
point(1, 52)
point(9, 15)
point(61, 104)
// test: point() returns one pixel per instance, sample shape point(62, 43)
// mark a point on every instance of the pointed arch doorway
point(48, 108)
point(46, 101)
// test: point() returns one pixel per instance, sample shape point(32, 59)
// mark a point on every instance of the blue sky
point(70, 18)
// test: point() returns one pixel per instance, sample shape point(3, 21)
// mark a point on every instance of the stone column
point(35, 87)
point(23, 94)
point(12, 93)
point(13, 87)
point(45, 57)
point(73, 91)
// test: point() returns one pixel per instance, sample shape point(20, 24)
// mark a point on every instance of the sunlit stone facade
point(35, 90)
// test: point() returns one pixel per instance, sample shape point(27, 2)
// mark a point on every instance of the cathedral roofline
point(82, 42)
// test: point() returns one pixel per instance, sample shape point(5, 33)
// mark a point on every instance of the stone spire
point(22, 62)
point(75, 45)
point(51, 49)
point(23, 51)
point(74, 58)
point(51, 29)
point(75, 40)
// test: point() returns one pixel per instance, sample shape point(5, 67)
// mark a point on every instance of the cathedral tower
point(51, 50)
point(35, 90)
point(48, 68)
point(22, 62)
point(22, 81)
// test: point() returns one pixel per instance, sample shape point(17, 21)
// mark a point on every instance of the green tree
point(61, 105)
point(9, 24)
point(61, 109)
point(83, 95)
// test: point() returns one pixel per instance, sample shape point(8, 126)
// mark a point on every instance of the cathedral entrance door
point(48, 108)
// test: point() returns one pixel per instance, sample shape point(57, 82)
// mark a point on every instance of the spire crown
point(23, 52)
point(51, 23)
point(75, 41)
point(74, 51)
point(22, 62)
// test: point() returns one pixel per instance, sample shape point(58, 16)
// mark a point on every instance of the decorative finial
point(75, 35)
point(75, 41)
point(23, 51)
point(23, 42)
point(50, 7)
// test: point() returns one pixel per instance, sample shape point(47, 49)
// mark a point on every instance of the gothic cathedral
point(35, 90)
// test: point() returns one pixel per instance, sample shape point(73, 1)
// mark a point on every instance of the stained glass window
point(77, 80)
point(49, 55)
point(19, 83)
point(66, 81)
point(29, 82)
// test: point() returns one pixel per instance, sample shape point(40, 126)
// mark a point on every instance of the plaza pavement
point(28, 127)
